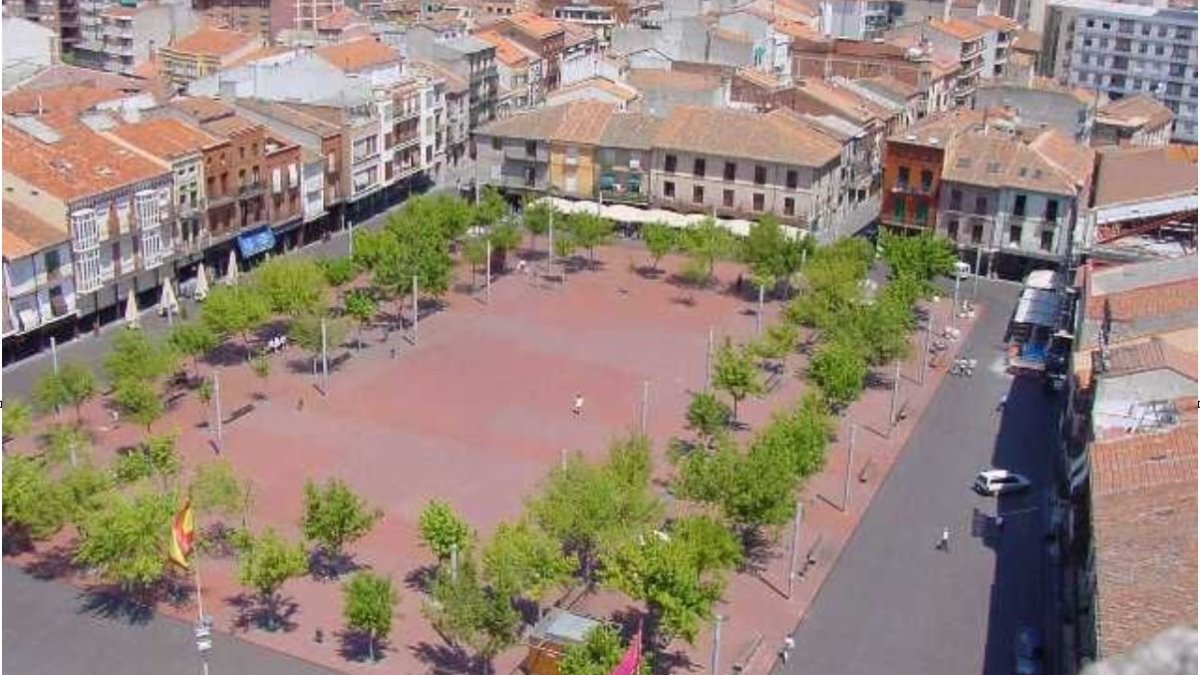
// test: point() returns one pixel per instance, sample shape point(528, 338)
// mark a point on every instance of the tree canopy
point(443, 530)
point(660, 239)
point(134, 356)
point(292, 285)
point(368, 603)
point(736, 373)
point(333, 515)
point(520, 559)
point(125, 536)
point(73, 384)
point(840, 371)
point(268, 561)
point(234, 310)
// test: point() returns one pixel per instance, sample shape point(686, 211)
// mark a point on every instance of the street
point(894, 602)
point(48, 632)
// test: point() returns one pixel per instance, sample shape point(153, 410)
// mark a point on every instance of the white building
point(1124, 49)
point(39, 286)
point(854, 19)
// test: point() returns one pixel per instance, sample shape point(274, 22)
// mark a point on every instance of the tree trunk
point(371, 644)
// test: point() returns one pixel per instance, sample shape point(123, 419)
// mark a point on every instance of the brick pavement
point(476, 414)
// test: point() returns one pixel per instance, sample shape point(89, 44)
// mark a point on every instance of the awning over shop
point(256, 241)
point(623, 213)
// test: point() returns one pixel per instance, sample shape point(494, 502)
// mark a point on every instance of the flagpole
point(200, 612)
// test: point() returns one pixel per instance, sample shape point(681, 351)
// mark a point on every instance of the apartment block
point(1133, 120)
point(39, 288)
point(1125, 49)
point(131, 36)
point(205, 52)
point(60, 17)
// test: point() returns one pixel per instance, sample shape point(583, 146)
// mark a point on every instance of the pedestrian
point(788, 645)
point(1000, 405)
point(577, 409)
point(393, 353)
point(739, 283)
point(300, 404)
point(944, 544)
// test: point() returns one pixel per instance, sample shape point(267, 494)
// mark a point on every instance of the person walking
point(577, 408)
point(944, 544)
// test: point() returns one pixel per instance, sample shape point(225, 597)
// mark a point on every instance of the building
point(1133, 120)
point(1001, 35)
point(131, 36)
point(39, 288)
point(854, 19)
point(115, 204)
point(60, 17)
point(580, 56)
point(698, 159)
point(597, 18)
point(471, 59)
point(964, 41)
point(543, 36)
point(1025, 54)
point(309, 12)
point(29, 45)
point(205, 52)
point(1125, 49)
point(521, 74)
point(1036, 101)
point(247, 16)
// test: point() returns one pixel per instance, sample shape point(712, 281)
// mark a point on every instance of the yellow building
point(205, 52)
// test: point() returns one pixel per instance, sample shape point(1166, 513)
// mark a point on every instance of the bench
point(868, 470)
point(902, 413)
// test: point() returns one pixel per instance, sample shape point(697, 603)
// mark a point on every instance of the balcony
point(251, 190)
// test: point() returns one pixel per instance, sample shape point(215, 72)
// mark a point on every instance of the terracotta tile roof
point(1133, 174)
point(25, 233)
point(1155, 354)
point(1075, 160)
point(996, 22)
point(359, 54)
point(290, 115)
point(1144, 535)
point(760, 79)
point(843, 101)
point(631, 131)
point(339, 20)
point(62, 75)
point(796, 29)
point(960, 29)
point(210, 41)
point(576, 34)
point(731, 133)
point(118, 11)
point(1138, 110)
point(889, 83)
point(1027, 41)
point(1136, 291)
point(941, 66)
point(616, 89)
point(537, 27)
point(61, 103)
point(941, 127)
point(165, 137)
point(653, 78)
point(228, 127)
point(998, 160)
point(579, 122)
point(80, 164)
point(202, 109)
point(508, 51)
point(260, 53)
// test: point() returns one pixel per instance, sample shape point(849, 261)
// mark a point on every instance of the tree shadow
point(421, 578)
point(688, 301)
point(110, 601)
point(253, 612)
point(758, 550)
point(355, 646)
point(876, 381)
point(649, 272)
point(444, 659)
point(325, 566)
point(51, 564)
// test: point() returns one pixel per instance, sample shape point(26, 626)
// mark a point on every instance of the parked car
point(961, 270)
point(994, 482)
point(1030, 651)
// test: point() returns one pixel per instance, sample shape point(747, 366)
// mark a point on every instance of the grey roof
point(630, 130)
point(1123, 331)
point(1125, 278)
point(468, 44)
point(561, 626)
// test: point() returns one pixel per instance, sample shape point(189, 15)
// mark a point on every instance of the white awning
point(624, 213)
point(1038, 307)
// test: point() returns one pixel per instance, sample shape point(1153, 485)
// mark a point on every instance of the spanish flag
point(183, 531)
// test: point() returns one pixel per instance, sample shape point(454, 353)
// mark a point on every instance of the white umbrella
point(168, 303)
point(201, 291)
point(231, 274)
point(131, 312)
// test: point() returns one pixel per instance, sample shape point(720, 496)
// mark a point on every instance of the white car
point(999, 482)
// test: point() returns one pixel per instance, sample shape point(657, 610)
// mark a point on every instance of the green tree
point(334, 515)
point(709, 417)
point(522, 560)
point(194, 340)
point(135, 357)
point(234, 310)
point(368, 603)
point(475, 252)
point(125, 537)
point(340, 271)
point(471, 614)
point(706, 242)
point(82, 490)
point(840, 371)
point(491, 208)
point(598, 654)
point(753, 489)
point(413, 248)
point(777, 342)
point(267, 563)
point(591, 508)
point(139, 401)
point(536, 217)
point(17, 418)
point(361, 307)
point(215, 489)
point(505, 236)
point(565, 243)
point(442, 529)
point(446, 216)
point(73, 384)
point(769, 252)
point(589, 231)
point(292, 285)
point(156, 457)
point(62, 443)
point(661, 239)
point(31, 507)
point(261, 365)
point(736, 374)
point(922, 257)
point(305, 331)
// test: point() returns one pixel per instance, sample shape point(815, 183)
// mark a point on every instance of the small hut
point(550, 638)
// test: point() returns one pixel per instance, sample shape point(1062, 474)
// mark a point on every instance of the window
point(1162, 31)
point(1183, 33)
point(698, 194)
point(727, 198)
point(698, 168)
point(759, 201)
point(956, 200)
point(669, 189)
point(1159, 50)
point(922, 213)
point(952, 229)
point(53, 263)
point(730, 171)
point(926, 180)
point(1047, 240)
point(1019, 206)
point(1090, 23)
point(669, 163)
point(760, 175)
point(902, 181)
point(1014, 234)
point(496, 143)
point(977, 233)
point(789, 206)
point(1052, 210)
point(981, 205)
point(531, 148)
point(898, 210)
point(793, 179)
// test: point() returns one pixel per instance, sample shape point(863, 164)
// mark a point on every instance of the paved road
point(45, 633)
point(895, 604)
